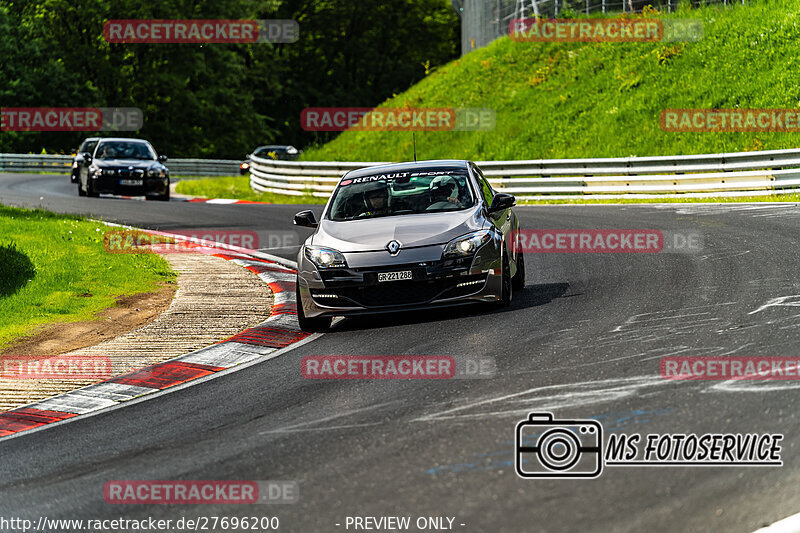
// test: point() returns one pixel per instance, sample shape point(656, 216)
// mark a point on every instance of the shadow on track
point(532, 296)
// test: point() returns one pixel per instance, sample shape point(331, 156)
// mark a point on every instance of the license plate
point(394, 276)
point(131, 182)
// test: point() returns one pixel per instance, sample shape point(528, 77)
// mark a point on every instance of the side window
point(486, 189)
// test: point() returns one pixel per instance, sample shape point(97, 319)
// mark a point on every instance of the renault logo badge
point(393, 247)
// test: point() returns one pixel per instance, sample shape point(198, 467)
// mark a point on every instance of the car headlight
point(155, 173)
point(468, 244)
point(325, 257)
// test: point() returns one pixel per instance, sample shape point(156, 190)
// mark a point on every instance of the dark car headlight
point(96, 172)
point(467, 245)
point(325, 257)
point(156, 173)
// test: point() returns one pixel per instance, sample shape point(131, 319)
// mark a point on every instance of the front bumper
point(435, 282)
point(112, 185)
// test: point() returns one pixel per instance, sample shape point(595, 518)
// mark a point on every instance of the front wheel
point(518, 281)
point(90, 190)
point(507, 287)
point(160, 197)
point(311, 325)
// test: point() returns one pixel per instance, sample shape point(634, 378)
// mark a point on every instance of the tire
point(160, 197)
point(90, 190)
point(518, 281)
point(81, 192)
point(310, 325)
point(507, 291)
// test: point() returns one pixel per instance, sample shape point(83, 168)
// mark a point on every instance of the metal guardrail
point(707, 174)
point(61, 164)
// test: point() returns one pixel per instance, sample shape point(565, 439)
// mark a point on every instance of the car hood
point(135, 163)
point(374, 234)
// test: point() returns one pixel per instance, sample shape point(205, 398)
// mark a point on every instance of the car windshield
point(124, 150)
point(87, 146)
point(401, 193)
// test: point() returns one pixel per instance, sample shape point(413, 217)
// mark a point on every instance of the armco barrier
point(697, 175)
point(704, 175)
point(61, 164)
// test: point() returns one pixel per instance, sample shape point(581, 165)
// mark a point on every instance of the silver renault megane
point(408, 236)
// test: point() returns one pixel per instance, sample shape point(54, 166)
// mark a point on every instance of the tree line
point(215, 100)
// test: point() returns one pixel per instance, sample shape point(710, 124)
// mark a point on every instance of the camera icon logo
point(554, 449)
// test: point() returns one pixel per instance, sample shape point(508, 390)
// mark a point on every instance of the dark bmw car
point(408, 236)
point(124, 166)
point(87, 146)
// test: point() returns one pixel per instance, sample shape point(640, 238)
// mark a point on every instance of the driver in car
point(106, 152)
point(376, 199)
point(444, 194)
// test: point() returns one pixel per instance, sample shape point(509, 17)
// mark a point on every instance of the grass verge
point(238, 187)
point(573, 100)
point(54, 268)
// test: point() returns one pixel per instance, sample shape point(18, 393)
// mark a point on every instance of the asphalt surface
point(583, 340)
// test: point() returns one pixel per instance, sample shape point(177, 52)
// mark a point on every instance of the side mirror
point(501, 202)
point(305, 219)
point(87, 157)
point(162, 158)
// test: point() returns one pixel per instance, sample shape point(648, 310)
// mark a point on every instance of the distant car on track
point(87, 146)
point(273, 151)
point(407, 236)
point(123, 166)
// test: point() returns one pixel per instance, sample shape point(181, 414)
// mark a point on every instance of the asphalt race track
point(583, 340)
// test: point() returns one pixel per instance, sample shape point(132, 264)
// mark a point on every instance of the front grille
point(130, 174)
point(395, 293)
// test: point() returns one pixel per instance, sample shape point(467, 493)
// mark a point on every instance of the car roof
point(124, 139)
point(409, 167)
point(275, 146)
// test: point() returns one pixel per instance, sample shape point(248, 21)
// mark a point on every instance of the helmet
point(374, 188)
point(443, 187)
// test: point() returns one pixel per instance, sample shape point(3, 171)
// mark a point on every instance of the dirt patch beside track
point(215, 300)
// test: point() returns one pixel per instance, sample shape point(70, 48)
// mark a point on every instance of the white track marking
point(789, 524)
point(781, 301)
point(296, 427)
point(553, 397)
